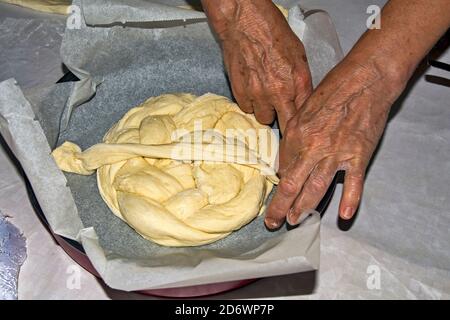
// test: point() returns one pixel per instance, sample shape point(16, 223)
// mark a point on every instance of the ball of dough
point(167, 170)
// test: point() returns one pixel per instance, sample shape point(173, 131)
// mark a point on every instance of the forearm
point(409, 29)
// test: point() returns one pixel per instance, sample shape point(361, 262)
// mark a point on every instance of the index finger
point(288, 189)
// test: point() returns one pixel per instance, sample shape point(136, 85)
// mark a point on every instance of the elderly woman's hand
point(265, 60)
point(338, 128)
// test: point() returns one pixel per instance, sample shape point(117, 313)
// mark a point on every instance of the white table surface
point(402, 229)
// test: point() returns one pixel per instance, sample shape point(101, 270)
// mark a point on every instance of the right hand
point(338, 128)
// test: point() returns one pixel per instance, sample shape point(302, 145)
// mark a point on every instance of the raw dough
point(171, 196)
point(50, 6)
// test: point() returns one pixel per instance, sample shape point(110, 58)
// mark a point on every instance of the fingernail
point(293, 221)
point(348, 213)
point(291, 217)
point(270, 223)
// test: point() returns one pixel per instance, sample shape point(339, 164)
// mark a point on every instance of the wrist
point(229, 18)
point(390, 72)
point(222, 15)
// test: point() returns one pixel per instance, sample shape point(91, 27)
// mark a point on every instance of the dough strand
point(177, 184)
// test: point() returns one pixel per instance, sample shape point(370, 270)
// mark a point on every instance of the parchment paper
point(125, 66)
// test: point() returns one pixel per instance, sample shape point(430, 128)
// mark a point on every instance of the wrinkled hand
point(265, 61)
point(338, 128)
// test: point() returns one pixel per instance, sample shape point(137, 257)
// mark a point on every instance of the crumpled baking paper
point(124, 66)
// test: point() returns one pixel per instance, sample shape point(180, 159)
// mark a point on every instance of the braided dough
point(51, 6)
point(171, 197)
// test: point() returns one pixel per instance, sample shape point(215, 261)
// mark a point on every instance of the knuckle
point(257, 91)
point(357, 170)
point(309, 156)
point(288, 187)
point(358, 149)
point(358, 176)
point(245, 107)
point(263, 110)
point(265, 118)
point(319, 182)
point(353, 198)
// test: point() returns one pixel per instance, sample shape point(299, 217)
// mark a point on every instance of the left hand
point(338, 128)
point(265, 60)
